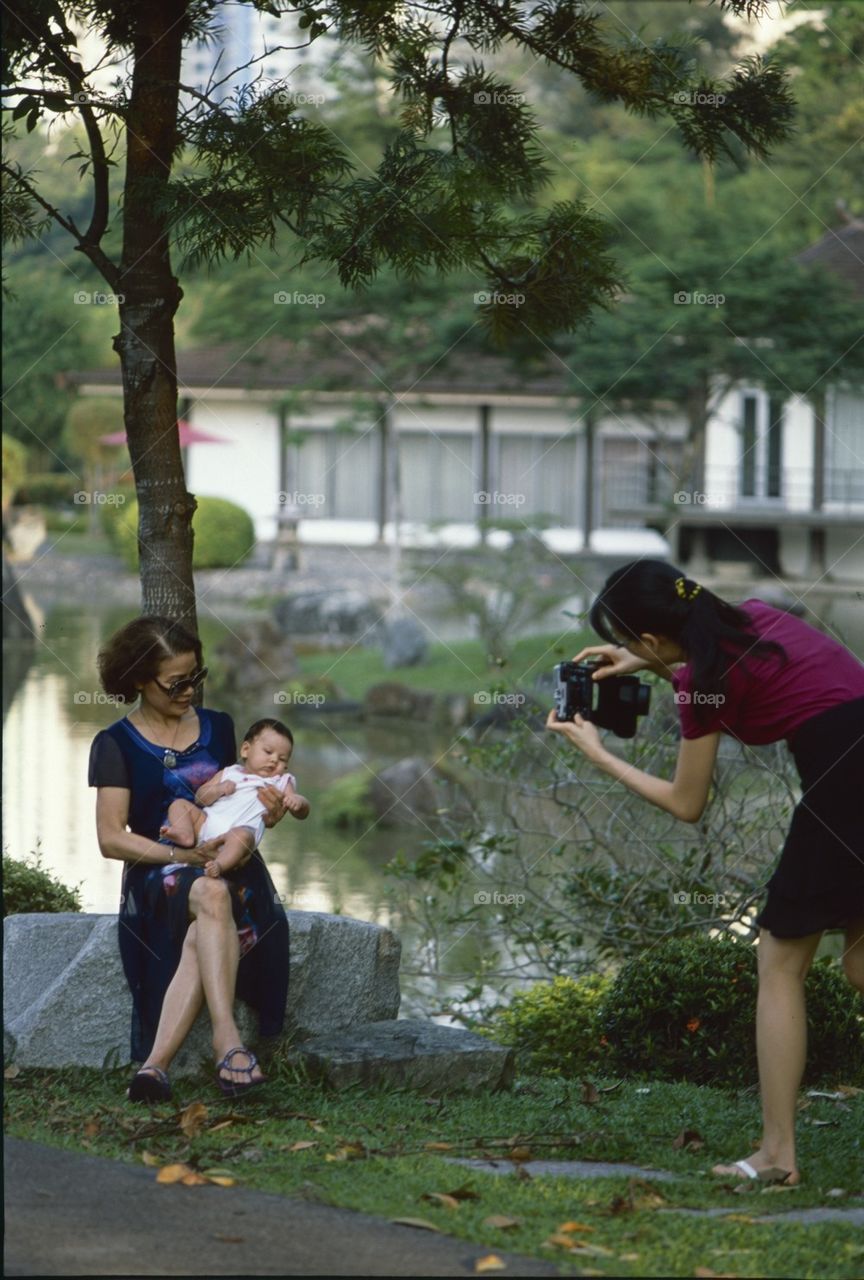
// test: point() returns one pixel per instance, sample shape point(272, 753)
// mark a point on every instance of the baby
point(231, 805)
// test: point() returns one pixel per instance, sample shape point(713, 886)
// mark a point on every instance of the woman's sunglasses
point(177, 688)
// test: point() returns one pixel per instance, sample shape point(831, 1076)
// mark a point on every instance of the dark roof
point(323, 362)
point(841, 251)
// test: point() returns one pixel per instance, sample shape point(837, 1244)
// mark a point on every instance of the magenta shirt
point(766, 700)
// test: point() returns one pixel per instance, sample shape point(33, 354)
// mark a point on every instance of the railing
point(636, 486)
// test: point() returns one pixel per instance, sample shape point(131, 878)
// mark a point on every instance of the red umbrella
point(188, 435)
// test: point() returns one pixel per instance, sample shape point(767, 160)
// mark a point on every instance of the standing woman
point(184, 938)
point(760, 675)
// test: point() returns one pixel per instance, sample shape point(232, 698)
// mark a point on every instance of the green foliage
point(556, 1025)
point(346, 801)
point(28, 887)
point(224, 533)
point(48, 489)
point(686, 1010)
point(14, 467)
point(89, 418)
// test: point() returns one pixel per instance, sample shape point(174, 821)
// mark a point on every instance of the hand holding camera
point(613, 701)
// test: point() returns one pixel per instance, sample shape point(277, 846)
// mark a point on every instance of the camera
point(619, 700)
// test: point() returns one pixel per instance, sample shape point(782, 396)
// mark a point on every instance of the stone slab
point(67, 1002)
point(566, 1169)
point(410, 1053)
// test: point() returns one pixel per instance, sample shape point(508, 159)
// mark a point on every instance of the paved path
point(69, 1215)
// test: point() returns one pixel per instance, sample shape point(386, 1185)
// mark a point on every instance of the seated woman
point(185, 938)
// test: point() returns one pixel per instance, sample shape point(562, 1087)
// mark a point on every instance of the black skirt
point(819, 880)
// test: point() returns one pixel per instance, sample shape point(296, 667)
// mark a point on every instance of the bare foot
point(241, 1059)
point(176, 836)
point(767, 1170)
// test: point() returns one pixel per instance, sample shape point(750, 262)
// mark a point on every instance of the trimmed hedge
point(224, 533)
point(557, 1026)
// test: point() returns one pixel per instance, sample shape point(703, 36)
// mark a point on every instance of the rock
point(390, 698)
point(67, 1001)
point(409, 1054)
point(404, 792)
point(347, 614)
point(403, 641)
point(255, 656)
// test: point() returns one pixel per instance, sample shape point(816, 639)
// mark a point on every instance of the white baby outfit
point(242, 808)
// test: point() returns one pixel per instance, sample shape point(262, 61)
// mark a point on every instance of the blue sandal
point(149, 1088)
point(234, 1088)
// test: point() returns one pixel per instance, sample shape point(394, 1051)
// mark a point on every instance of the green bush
point(48, 489)
point(686, 1010)
point(224, 534)
point(556, 1026)
point(27, 887)
point(346, 801)
point(14, 467)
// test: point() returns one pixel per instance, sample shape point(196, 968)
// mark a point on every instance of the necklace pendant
point(169, 760)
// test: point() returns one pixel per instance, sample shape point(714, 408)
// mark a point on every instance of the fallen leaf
point(644, 1195)
point(834, 1097)
point(520, 1153)
point(220, 1181)
point(317, 1126)
point(92, 1128)
point(777, 1186)
point(522, 1173)
point(12, 1072)
point(464, 1192)
point(223, 1124)
point(848, 1090)
point(737, 1217)
point(590, 1092)
point(193, 1179)
point(629, 1257)
point(421, 1223)
point(501, 1222)
point(594, 1250)
point(708, 1274)
point(298, 1146)
point(824, 1124)
point(148, 1158)
point(574, 1226)
point(172, 1173)
point(491, 1262)
point(192, 1119)
point(439, 1197)
point(438, 1146)
point(836, 1193)
point(350, 1151)
point(689, 1140)
point(559, 1240)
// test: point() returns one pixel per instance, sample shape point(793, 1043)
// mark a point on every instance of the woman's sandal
point(234, 1088)
point(768, 1177)
point(149, 1088)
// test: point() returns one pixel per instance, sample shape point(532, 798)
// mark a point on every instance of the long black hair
point(653, 596)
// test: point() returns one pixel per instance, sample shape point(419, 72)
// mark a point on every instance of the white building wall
point(246, 468)
point(797, 454)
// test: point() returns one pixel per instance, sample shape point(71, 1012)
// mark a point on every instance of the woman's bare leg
point(183, 1000)
point(781, 1047)
point(853, 955)
point(218, 950)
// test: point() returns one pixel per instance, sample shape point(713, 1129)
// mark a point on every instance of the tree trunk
point(149, 297)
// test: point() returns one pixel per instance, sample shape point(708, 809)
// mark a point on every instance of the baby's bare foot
point(177, 836)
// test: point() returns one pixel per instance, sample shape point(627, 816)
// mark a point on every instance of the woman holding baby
point(185, 937)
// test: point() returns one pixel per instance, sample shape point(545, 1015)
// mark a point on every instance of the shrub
point(556, 1025)
point(27, 887)
point(14, 467)
point(686, 1010)
point(224, 534)
point(346, 801)
point(47, 489)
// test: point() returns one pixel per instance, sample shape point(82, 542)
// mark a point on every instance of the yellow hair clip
point(681, 588)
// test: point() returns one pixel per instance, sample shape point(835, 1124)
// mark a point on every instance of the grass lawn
point(458, 667)
point(370, 1151)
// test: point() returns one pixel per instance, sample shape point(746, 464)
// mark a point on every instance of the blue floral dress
point(154, 907)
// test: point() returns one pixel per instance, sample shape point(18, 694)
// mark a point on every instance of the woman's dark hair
point(134, 654)
point(260, 725)
point(653, 596)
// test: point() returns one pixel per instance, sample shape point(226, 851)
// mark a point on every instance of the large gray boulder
point(344, 614)
point(67, 1001)
point(404, 643)
point(408, 1054)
